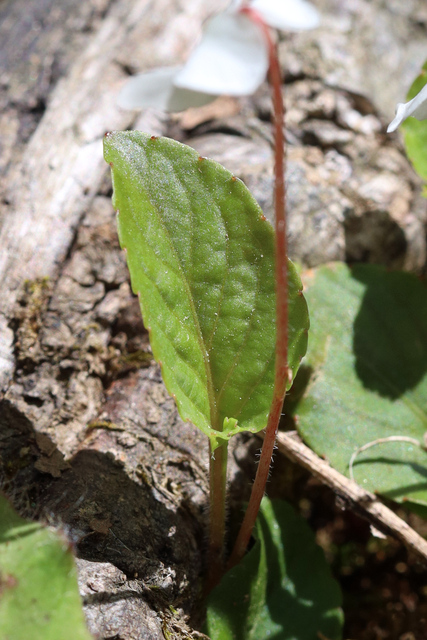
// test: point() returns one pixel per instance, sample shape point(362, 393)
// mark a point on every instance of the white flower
point(417, 107)
point(156, 89)
point(231, 58)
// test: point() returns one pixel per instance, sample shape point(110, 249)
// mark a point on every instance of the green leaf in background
point(366, 376)
point(201, 258)
point(282, 589)
point(419, 509)
point(39, 598)
point(415, 132)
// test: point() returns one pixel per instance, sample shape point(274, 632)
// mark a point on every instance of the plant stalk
point(281, 363)
point(218, 482)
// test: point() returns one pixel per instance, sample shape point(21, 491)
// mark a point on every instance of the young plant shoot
point(233, 57)
point(201, 259)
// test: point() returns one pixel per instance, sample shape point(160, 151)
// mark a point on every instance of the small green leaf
point(201, 258)
point(282, 589)
point(366, 376)
point(415, 131)
point(39, 598)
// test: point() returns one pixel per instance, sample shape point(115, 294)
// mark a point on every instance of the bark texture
point(89, 438)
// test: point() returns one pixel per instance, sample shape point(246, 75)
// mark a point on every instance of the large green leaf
point(201, 258)
point(366, 376)
point(39, 598)
point(415, 131)
point(283, 588)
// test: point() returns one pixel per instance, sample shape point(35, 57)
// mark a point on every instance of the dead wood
point(352, 495)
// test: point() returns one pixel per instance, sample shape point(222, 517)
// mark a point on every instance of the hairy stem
point(281, 364)
point(218, 481)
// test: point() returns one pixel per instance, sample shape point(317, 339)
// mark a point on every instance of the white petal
point(417, 107)
point(287, 14)
point(231, 58)
point(156, 89)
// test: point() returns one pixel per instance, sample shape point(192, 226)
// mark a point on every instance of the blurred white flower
point(156, 89)
point(417, 107)
point(231, 58)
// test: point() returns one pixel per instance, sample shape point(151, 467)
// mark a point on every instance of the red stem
point(281, 364)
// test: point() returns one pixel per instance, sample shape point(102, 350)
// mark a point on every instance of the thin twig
point(362, 502)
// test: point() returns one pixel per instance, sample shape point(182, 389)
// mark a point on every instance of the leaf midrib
point(210, 387)
point(246, 337)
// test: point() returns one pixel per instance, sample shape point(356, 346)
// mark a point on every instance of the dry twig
point(362, 502)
